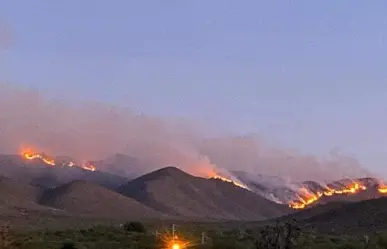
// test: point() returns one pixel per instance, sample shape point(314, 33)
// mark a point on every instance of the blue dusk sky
point(308, 75)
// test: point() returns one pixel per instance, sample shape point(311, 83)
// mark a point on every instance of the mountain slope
point(175, 192)
point(39, 174)
point(368, 215)
point(16, 190)
point(86, 198)
point(18, 201)
point(316, 210)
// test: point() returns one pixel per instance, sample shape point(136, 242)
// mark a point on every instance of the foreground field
point(151, 236)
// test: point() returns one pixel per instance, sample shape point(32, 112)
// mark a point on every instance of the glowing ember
point(382, 189)
point(229, 181)
point(89, 167)
point(306, 197)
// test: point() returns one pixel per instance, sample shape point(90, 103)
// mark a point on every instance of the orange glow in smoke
point(306, 197)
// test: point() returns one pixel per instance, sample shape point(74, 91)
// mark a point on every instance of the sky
point(305, 75)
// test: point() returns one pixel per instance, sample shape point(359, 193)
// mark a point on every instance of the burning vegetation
point(222, 178)
point(210, 171)
point(306, 198)
point(32, 155)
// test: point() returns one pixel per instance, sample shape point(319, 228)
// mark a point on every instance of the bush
point(224, 244)
point(137, 227)
point(381, 241)
point(68, 245)
point(350, 246)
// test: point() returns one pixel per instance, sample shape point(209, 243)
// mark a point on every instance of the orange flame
point(31, 155)
point(229, 181)
point(89, 167)
point(212, 172)
point(306, 197)
point(382, 188)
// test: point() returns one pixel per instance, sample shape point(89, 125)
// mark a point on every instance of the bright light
point(175, 246)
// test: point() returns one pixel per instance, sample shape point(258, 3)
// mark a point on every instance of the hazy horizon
point(306, 79)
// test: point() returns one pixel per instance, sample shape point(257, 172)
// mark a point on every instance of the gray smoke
point(97, 131)
point(250, 154)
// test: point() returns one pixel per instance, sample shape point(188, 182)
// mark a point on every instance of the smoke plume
point(97, 131)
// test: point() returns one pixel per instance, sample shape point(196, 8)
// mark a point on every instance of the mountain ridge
point(192, 196)
point(87, 198)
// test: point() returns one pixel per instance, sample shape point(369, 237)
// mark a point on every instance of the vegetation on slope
point(279, 236)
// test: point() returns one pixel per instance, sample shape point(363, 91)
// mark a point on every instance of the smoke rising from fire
point(290, 165)
point(97, 131)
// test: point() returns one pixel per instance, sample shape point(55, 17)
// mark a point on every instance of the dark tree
point(278, 237)
point(68, 245)
point(137, 227)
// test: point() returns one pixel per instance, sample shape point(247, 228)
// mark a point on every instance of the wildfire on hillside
point(216, 176)
point(31, 155)
point(229, 181)
point(210, 171)
point(306, 197)
point(28, 154)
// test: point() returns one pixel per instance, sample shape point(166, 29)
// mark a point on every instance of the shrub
point(137, 227)
point(68, 245)
point(224, 244)
point(381, 241)
point(350, 246)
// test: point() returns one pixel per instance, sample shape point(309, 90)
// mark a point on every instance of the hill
point(175, 192)
point(39, 174)
point(19, 207)
point(86, 198)
point(313, 211)
point(285, 191)
point(17, 197)
point(15, 190)
point(368, 215)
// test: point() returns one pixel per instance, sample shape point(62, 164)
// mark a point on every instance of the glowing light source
point(175, 246)
point(382, 189)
